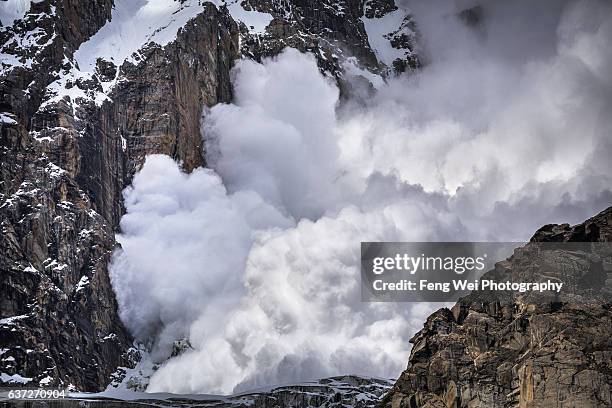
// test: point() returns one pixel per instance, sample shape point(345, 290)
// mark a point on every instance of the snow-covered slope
point(136, 23)
point(11, 10)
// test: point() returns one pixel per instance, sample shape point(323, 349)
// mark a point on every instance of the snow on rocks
point(82, 284)
point(7, 118)
point(255, 21)
point(135, 24)
point(390, 35)
point(14, 379)
point(11, 10)
point(340, 392)
point(23, 42)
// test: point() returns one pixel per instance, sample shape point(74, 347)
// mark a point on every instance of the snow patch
point(254, 20)
point(136, 23)
point(45, 381)
point(12, 10)
point(53, 170)
point(12, 320)
point(378, 29)
point(7, 118)
point(127, 382)
point(82, 284)
point(67, 85)
point(351, 66)
point(14, 379)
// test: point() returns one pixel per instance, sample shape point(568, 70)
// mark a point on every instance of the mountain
point(88, 89)
point(523, 351)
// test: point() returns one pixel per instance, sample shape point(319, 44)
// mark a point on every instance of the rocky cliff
point(58, 311)
point(522, 351)
point(71, 138)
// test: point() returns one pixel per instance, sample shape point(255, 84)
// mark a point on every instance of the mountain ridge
point(525, 351)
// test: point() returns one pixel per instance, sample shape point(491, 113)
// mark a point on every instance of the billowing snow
point(135, 23)
point(378, 28)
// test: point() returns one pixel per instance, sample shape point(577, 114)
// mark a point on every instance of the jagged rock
point(332, 30)
point(58, 314)
point(521, 351)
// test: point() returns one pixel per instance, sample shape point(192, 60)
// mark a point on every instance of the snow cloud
point(256, 260)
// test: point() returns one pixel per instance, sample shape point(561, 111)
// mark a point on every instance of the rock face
point(58, 312)
point(71, 140)
point(64, 162)
point(335, 31)
point(522, 352)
